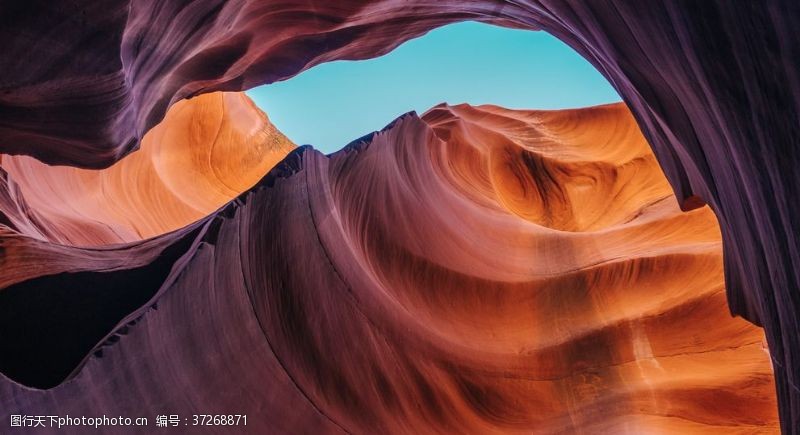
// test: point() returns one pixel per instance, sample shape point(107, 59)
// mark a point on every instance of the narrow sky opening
point(334, 103)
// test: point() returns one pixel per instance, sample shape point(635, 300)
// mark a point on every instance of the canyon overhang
point(714, 86)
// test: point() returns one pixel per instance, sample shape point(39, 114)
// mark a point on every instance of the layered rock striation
point(714, 86)
point(206, 151)
point(472, 270)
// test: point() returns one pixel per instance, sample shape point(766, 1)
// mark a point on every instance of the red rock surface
point(475, 270)
point(714, 86)
point(206, 152)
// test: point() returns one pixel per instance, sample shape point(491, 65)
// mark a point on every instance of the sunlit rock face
point(204, 153)
point(712, 84)
point(472, 270)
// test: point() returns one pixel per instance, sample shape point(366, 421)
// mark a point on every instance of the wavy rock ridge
point(206, 152)
point(712, 84)
point(486, 271)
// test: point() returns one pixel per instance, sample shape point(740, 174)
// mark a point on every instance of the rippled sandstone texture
point(206, 152)
point(476, 270)
point(714, 86)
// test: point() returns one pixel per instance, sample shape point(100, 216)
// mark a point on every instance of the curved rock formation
point(714, 85)
point(207, 151)
point(475, 270)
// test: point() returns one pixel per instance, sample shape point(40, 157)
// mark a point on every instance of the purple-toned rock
point(714, 86)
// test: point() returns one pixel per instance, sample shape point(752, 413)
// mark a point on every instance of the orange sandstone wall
point(204, 153)
point(472, 270)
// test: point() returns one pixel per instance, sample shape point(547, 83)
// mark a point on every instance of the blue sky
point(334, 103)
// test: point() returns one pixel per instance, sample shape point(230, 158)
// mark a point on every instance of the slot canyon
point(620, 268)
